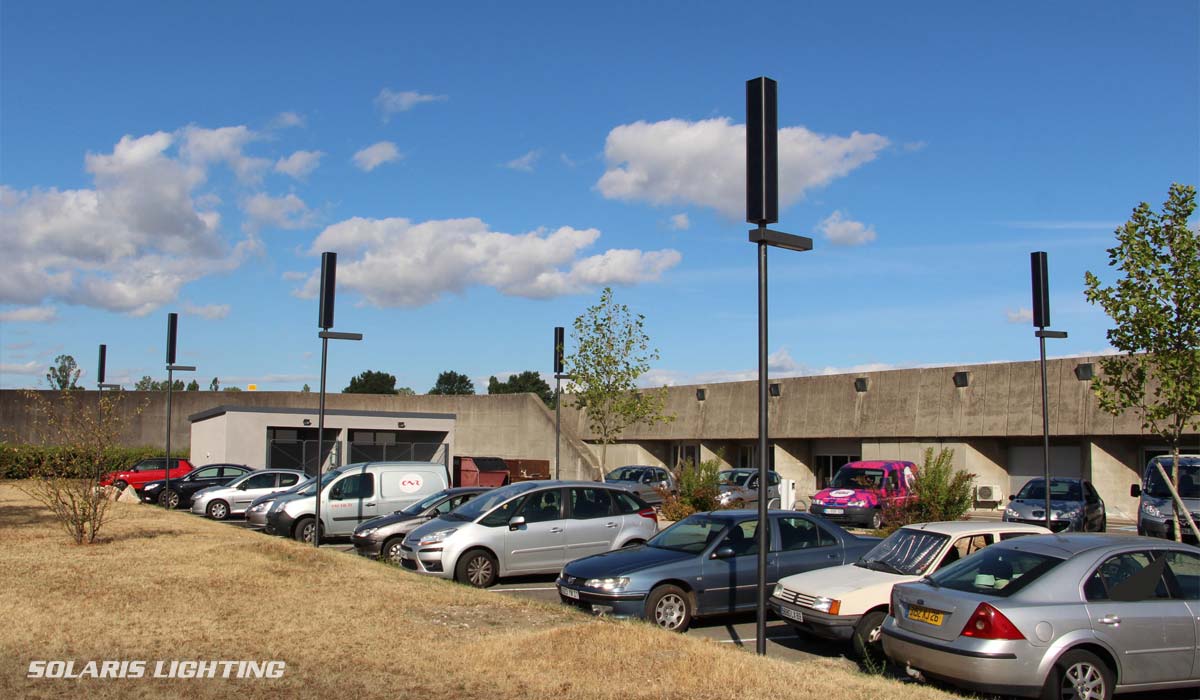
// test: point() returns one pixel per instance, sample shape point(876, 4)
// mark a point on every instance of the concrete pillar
point(1111, 464)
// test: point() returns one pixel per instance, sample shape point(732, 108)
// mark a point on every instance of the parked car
point(861, 490)
point(1074, 505)
point(646, 481)
point(738, 488)
point(1075, 616)
point(145, 471)
point(1155, 506)
point(848, 603)
point(704, 565)
point(220, 502)
point(381, 537)
point(355, 493)
point(256, 513)
point(183, 488)
point(531, 527)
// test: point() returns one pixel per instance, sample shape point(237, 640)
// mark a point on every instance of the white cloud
point(31, 314)
point(299, 164)
point(524, 163)
point(293, 275)
point(376, 155)
point(680, 222)
point(224, 145)
point(1021, 315)
point(394, 262)
point(842, 231)
point(287, 212)
point(287, 120)
point(212, 312)
point(31, 368)
point(703, 162)
point(392, 102)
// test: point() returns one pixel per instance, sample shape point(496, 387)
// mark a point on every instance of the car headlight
point(857, 504)
point(367, 532)
point(1010, 513)
point(435, 537)
point(259, 507)
point(608, 584)
point(1067, 514)
point(778, 590)
point(1153, 511)
point(818, 501)
point(152, 487)
point(827, 605)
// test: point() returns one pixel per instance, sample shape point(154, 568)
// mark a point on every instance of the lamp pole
point(558, 375)
point(172, 368)
point(1041, 318)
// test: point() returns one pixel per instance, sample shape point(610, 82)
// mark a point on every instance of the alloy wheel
point(670, 611)
point(172, 500)
point(218, 511)
point(1082, 681)
point(306, 532)
point(393, 552)
point(479, 570)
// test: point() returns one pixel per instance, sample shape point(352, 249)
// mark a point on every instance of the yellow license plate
point(929, 617)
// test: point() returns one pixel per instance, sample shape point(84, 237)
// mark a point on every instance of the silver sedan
point(1076, 617)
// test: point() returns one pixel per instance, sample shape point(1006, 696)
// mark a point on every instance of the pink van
point(860, 490)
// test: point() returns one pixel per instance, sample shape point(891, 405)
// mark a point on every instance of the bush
point(697, 490)
point(24, 461)
point(939, 493)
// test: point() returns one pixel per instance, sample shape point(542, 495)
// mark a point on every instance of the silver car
point(738, 488)
point(1155, 505)
point(647, 482)
point(1077, 617)
point(531, 527)
point(220, 502)
point(1074, 505)
point(256, 514)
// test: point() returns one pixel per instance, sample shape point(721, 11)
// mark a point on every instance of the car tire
point(169, 499)
point(633, 543)
point(390, 551)
point(669, 607)
point(478, 568)
point(217, 510)
point(1079, 668)
point(865, 640)
point(303, 532)
point(120, 485)
point(876, 519)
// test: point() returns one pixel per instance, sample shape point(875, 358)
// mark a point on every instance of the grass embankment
point(171, 586)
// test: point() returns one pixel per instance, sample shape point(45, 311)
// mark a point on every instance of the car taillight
point(893, 605)
point(648, 513)
point(989, 623)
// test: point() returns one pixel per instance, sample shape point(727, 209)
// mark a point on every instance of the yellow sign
point(251, 387)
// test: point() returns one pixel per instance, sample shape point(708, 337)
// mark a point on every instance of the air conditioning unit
point(987, 493)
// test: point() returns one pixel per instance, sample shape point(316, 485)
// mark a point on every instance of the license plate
point(569, 593)
point(929, 617)
point(834, 511)
point(791, 614)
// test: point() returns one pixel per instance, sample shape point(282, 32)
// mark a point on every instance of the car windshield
point(996, 571)
point(626, 474)
point(856, 478)
point(1189, 481)
point(420, 506)
point(734, 476)
point(906, 551)
point(1035, 490)
point(692, 534)
point(477, 507)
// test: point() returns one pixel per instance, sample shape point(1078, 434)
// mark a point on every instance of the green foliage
point(64, 374)
point(193, 385)
point(19, 461)
point(306, 389)
point(405, 391)
point(698, 490)
point(611, 351)
point(453, 383)
point(528, 381)
point(939, 493)
point(148, 383)
point(214, 385)
point(232, 388)
point(371, 382)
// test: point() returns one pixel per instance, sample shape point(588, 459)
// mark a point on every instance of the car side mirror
point(1135, 490)
point(724, 553)
point(1011, 496)
point(517, 521)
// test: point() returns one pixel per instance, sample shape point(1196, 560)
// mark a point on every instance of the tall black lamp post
point(558, 377)
point(172, 368)
point(1041, 319)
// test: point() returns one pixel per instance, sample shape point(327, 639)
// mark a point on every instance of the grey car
point(1074, 505)
point(380, 538)
point(1076, 617)
point(738, 488)
point(256, 514)
point(646, 481)
point(1155, 505)
point(220, 502)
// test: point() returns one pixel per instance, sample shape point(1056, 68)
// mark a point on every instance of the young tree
point(611, 351)
point(193, 385)
point(528, 381)
point(306, 389)
point(451, 383)
point(214, 385)
point(371, 382)
point(1155, 308)
point(63, 374)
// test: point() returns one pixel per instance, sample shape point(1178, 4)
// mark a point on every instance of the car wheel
point(670, 608)
point(169, 499)
point(876, 519)
point(632, 543)
point(120, 485)
point(476, 568)
point(390, 551)
point(218, 510)
point(305, 528)
point(866, 639)
point(1079, 675)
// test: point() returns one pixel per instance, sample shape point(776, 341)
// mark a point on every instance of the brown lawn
point(171, 586)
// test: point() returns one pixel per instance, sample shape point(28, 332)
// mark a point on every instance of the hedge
point(23, 461)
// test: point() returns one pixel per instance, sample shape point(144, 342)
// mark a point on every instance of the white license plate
point(569, 593)
point(791, 614)
point(834, 511)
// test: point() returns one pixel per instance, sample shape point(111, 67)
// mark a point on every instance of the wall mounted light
point(307, 422)
point(861, 384)
point(773, 390)
point(700, 394)
point(962, 379)
point(1084, 371)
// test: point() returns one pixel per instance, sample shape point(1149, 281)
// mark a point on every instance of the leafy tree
point(453, 383)
point(405, 391)
point(372, 382)
point(214, 385)
point(611, 351)
point(940, 492)
point(528, 381)
point(306, 389)
point(232, 388)
point(1155, 308)
point(193, 385)
point(148, 383)
point(64, 374)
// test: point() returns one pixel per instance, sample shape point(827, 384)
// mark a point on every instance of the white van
point(355, 493)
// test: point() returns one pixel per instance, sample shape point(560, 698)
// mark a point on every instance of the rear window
point(995, 571)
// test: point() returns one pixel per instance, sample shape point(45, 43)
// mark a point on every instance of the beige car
point(849, 603)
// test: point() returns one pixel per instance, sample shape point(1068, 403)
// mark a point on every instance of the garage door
point(1025, 463)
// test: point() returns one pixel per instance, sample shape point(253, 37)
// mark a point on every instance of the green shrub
point(698, 489)
point(18, 461)
point(939, 493)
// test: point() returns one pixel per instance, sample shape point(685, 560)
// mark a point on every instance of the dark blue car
point(705, 564)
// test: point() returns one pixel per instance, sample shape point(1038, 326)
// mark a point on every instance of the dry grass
point(171, 586)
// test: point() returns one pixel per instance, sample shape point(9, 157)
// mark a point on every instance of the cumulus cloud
point(392, 102)
point(395, 262)
point(703, 162)
point(287, 212)
point(839, 230)
point(681, 222)
point(132, 241)
point(376, 155)
point(299, 164)
point(524, 163)
point(224, 145)
point(287, 120)
point(212, 312)
point(1021, 315)
point(30, 314)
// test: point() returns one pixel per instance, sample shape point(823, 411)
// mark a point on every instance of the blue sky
point(483, 170)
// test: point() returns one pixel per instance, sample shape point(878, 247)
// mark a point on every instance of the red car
point(145, 471)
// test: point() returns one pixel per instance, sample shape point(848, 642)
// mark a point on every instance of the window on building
point(827, 465)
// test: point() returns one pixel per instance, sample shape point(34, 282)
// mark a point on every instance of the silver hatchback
point(1077, 617)
point(531, 527)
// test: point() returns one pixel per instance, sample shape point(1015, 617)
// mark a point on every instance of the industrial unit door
point(1026, 462)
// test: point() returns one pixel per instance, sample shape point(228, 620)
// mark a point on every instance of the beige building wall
point(1107, 463)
